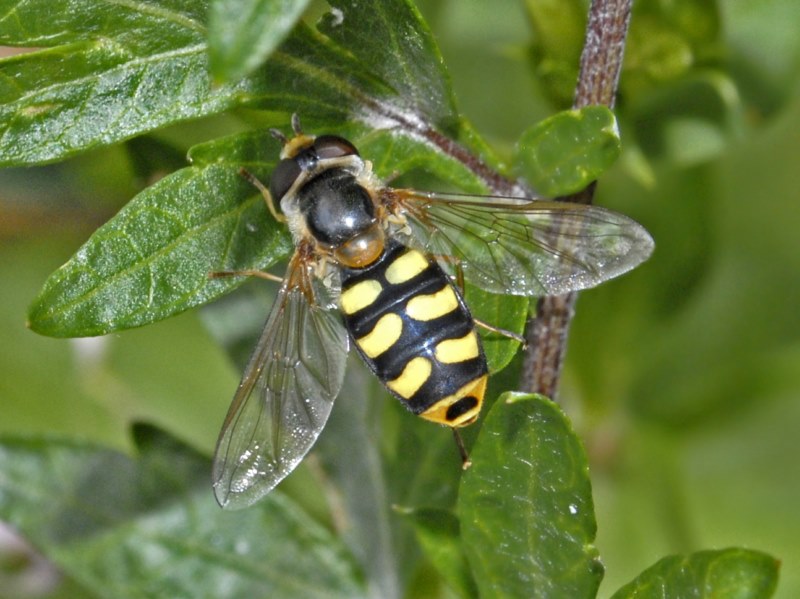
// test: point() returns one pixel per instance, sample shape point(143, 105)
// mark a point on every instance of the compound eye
point(332, 146)
point(283, 177)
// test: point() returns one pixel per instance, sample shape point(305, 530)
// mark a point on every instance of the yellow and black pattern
point(414, 331)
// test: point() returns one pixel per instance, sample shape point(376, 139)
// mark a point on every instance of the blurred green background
point(683, 377)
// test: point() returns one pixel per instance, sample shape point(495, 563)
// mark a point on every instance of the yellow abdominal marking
point(360, 296)
point(428, 307)
point(386, 332)
point(438, 412)
point(412, 378)
point(451, 351)
point(406, 267)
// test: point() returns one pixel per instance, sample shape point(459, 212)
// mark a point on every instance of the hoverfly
point(376, 267)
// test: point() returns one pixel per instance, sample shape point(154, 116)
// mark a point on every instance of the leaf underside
point(149, 527)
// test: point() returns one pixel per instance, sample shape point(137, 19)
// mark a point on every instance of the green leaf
point(355, 475)
point(392, 38)
point(503, 312)
point(732, 573)
point(150, 527)
point(558, 27)
point(666, 43)
point(697, 117)
point(152, 260)
point(243, 33)
point(423, 463)
point(112, 75)
point(374, 62)
point(525, 506)
point(567, 151)
point(50, 23)
point(393, 152)
point(113, 71)
point(439, 536)
point(659, 53)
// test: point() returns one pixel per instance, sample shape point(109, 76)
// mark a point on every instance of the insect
point(376, 267)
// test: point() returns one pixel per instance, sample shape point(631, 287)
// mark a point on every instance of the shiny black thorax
point(335, 206)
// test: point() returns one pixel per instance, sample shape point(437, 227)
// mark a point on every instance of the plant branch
point(601, 63)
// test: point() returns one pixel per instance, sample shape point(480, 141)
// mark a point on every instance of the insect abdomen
point(414, 331)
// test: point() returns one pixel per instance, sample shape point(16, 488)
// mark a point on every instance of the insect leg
point(462, 451)
point(264, 192)
point(245, 273)
point(503, 332)
point(458, 275)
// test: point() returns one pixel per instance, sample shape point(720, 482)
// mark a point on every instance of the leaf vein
point(147, 262)
point(161, 12)
point(196, 49)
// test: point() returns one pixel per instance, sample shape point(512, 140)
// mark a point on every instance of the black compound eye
point(332, 146)
point(283, 177)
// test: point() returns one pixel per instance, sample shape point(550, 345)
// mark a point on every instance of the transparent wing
point(285, 397)
point(522, 247)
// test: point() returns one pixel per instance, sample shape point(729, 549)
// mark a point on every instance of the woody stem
point(601, 63)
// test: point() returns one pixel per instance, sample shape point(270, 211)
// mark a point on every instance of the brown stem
point(497, 183)
point(601, 62)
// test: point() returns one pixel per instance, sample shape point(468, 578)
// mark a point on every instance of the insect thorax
point(335, 207)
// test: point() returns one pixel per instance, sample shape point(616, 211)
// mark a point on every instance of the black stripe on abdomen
point(411, 327)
